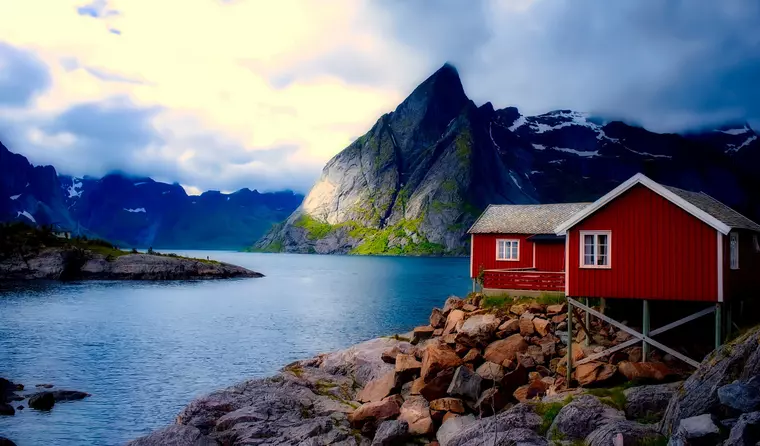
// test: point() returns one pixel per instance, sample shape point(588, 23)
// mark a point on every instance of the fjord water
point(145, 350)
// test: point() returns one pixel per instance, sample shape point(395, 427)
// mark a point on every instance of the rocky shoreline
point(480, 375)
point(68, 263)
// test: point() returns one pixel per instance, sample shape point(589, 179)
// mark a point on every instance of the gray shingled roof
point(524, 218)
point(715, 208)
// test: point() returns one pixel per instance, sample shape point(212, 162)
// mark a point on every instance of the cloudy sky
point(224, 94)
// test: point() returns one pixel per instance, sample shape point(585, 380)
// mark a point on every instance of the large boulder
point(737, 360)
point(490, 371)
point(376, 412)
point(362, 361)
point(416, 413)
point(582, 416)
point(746, 431)
point(437, 357)
point(594, 373)
point(542, 326)
point(465, 384)
point(6, 442)
point(378, 388)
point(438, 386)
point(7, 409)
point(505, 349)
point(526, 324)
point(391, 432)
point(41, 401)
point(422, 333)
point(477, 330)
point(696, 431)
point(453, 303)
point(174, 435)
point(467, 431)
point(437, 319)
point(633, 434)
point(407, 367)
point(741, 397)
point(645, 371)
point(454, 318)
point(649, 402)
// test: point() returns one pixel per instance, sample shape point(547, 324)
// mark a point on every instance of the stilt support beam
point(587, 325)
point(645, 331)
point(646, 339)
point(718, 325)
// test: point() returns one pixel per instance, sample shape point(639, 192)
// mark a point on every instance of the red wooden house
point(515, 247)
point(644, 240)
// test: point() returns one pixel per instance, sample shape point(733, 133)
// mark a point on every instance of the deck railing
point(524, 279)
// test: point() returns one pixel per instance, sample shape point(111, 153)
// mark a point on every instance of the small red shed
point(516, 248)
point(644, 240)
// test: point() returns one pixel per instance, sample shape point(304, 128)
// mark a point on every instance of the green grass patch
point(548, 412)
point(315, 229)
point(613, 397)
point(653, 441)
point(496, 301)
point(551, 298)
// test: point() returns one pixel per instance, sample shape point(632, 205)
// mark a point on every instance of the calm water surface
point(144, 350)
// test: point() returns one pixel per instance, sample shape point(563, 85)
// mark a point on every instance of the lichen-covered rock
point(582, 416)
point(739, 359)
point(649, 402)
point(633, 433)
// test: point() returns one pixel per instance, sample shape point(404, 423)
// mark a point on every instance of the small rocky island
point(28, 253)
point(485, 375)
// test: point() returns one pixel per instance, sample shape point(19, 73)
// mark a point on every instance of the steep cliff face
point(417, 180)
point(410, 185)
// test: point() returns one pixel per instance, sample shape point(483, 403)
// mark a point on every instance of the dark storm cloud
point(22, 76)
point(669, 65)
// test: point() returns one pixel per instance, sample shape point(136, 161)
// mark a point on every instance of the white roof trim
point(640, 178)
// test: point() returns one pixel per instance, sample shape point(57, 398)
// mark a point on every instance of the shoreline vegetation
point(28, 253)
point(486, 371)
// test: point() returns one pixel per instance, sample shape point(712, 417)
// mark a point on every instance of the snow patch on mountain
point(141, 183)
point(583, 153)
point(75, 189)
point(736, 132)
point(490, 133)
point(15, 197)
point(514, 179)
point(539, 147)
point(135, 210)
point(27, 215)
point(651, 155)
point(519, 122)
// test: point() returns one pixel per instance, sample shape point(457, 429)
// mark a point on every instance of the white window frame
point(733, 250)
point(583, 235)
point(510, 240)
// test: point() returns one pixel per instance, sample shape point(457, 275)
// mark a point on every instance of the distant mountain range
point(420, 176)
point(137, 212)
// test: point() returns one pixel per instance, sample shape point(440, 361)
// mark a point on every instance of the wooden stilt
point(645, 332)
point(718, 325)
point(587, 325)
point(569, 342)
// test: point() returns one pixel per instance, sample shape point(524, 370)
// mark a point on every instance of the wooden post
point(588, 325)
point(645, 332)
point(718, 325)
point(569, 343)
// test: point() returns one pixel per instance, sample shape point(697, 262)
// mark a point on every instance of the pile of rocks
point(43, 400)
point(720, 402)
point(473, 376)
point(479, 361)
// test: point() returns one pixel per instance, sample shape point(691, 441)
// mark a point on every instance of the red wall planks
point(549, 256)
point(484, 252)
point(658, 251)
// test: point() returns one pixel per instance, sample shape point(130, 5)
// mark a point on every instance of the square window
point(508, 250)
point(595, 249)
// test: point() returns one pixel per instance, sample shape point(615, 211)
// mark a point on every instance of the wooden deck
point(524, 279)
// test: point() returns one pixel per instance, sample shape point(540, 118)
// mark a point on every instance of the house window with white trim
point(734, 249)
point(508, 250)
point(595, 249)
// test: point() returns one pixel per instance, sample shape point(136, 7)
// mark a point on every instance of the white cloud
point(209, 69)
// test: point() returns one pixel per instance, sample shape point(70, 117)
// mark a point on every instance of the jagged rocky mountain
point(137, 212)
point(417, 180)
